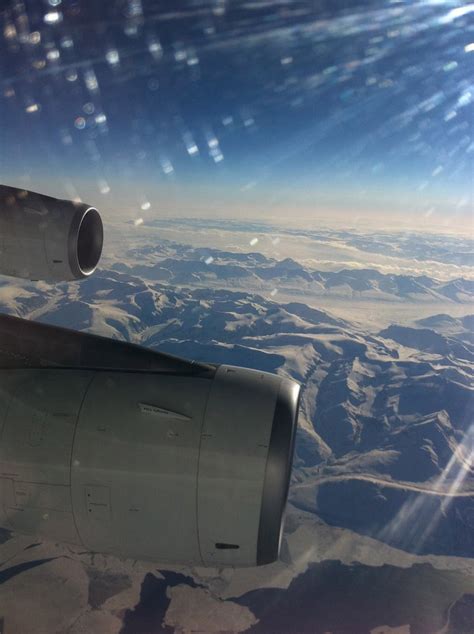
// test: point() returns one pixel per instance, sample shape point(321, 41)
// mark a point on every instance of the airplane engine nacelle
point(44, 238)
point(180, 462)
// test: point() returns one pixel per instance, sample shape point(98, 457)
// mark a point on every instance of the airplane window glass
point(236, 316)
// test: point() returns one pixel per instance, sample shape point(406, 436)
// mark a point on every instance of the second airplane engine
point(122, 450)
point(44, 238)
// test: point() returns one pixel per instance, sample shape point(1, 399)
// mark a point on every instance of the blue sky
point(242, 108)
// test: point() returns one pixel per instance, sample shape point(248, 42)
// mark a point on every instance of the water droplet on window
point(112, 56)
point(52, 17)
point(80, 123)
point(34, 37)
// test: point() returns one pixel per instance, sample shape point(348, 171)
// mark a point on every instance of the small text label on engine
point(154, 410)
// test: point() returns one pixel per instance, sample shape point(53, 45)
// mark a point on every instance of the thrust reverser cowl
point(44, 238)
point(139, 454)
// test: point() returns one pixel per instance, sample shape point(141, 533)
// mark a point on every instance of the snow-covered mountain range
point(183, 265)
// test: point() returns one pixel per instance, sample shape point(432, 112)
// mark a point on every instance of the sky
point(261, 109)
